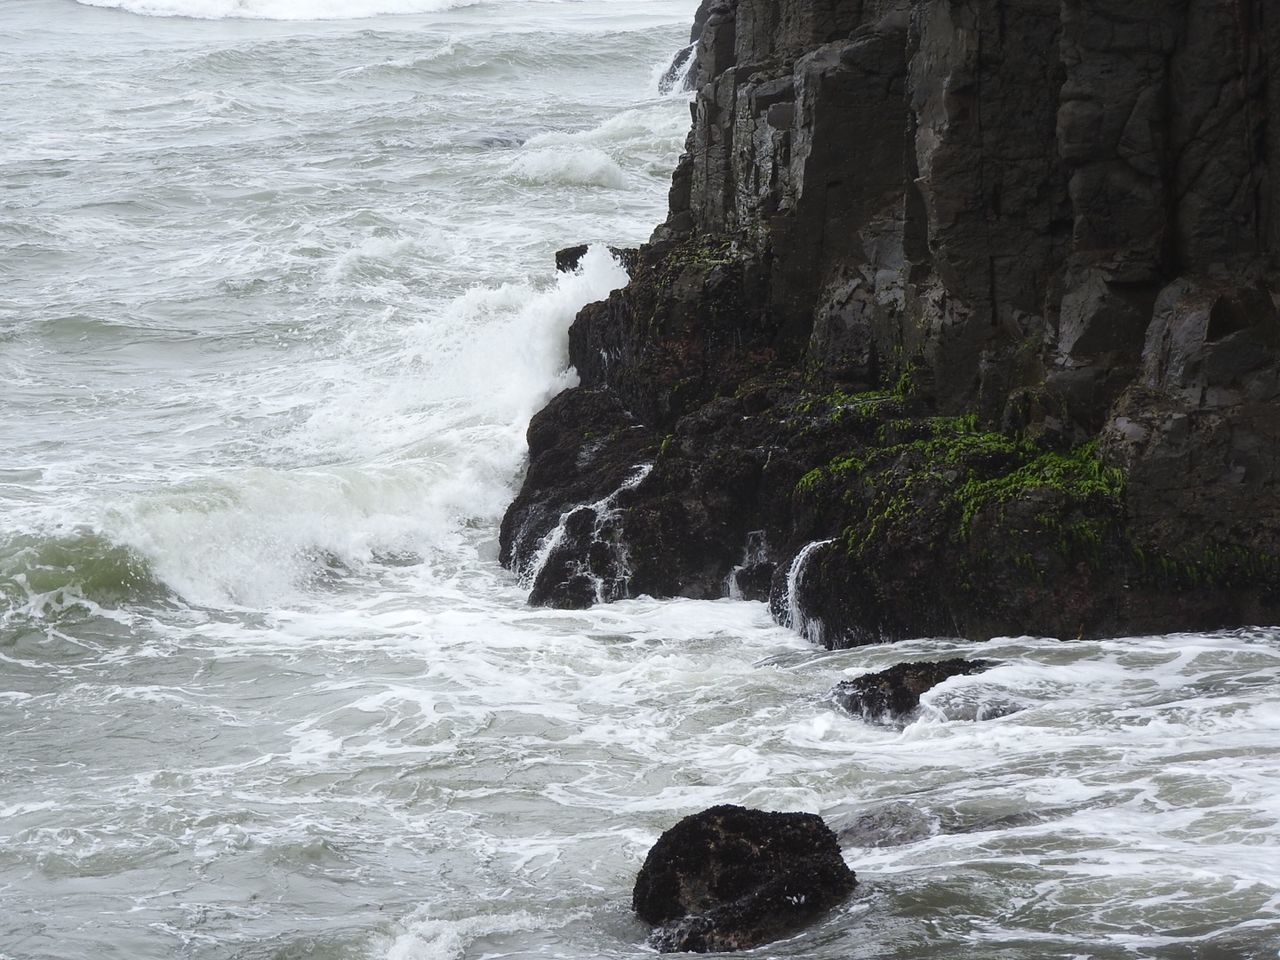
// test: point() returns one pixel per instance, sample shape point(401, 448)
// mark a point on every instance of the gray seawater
point(275, 307)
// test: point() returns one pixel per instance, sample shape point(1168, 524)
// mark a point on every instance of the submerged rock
point(730, 878)
point(894, 694)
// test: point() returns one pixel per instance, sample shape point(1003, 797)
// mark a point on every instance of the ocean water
point(276, 304)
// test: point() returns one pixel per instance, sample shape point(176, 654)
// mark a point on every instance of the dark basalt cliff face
point(964, 320)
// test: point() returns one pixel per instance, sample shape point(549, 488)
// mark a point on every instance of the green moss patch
point(1209, 566)
point(933, 476)
point(1079, 476)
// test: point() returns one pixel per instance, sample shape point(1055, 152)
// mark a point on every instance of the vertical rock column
point(1198, 430)
point(1268, 26)
point(983, 87)
point(1114, 134)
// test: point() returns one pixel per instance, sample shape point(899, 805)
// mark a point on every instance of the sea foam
point(395, 472)
point(277, 9)
point(584, 167)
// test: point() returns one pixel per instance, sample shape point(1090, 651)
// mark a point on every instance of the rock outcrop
point(894, 694)
point(730, 878)
point(980, 297)
point(570, 258)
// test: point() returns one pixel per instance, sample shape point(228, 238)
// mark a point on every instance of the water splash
point(754, 554)
point(604, 513)
point(811, 628)
point(678, 77)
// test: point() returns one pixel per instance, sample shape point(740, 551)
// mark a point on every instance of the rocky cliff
point(964, 320)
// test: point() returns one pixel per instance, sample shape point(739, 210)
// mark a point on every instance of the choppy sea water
point(275, 307)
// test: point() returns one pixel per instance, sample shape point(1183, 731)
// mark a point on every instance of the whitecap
point(277, 9)
point(590, 167)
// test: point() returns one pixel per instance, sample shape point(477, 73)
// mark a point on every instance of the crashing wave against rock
point(983, 294)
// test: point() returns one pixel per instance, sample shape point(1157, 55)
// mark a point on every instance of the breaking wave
point(369, 482)
point(43, 575)
point(588, 168)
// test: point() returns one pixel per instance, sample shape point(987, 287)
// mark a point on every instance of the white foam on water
point(375, 257)
point(645, 137)
point(589, 167)
point(427, 938)
point(278, 9)
point(288, 9)
point(654, 127)
point(412, 440)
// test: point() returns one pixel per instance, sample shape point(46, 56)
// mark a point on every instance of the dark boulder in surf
point(894, 694)
point(568, 259)
point(730, 878)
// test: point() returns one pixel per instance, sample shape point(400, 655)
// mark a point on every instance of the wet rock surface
point(730, 878)
point(894, 694)
point(568, 546)
point(982, 296)
point(568, 259)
